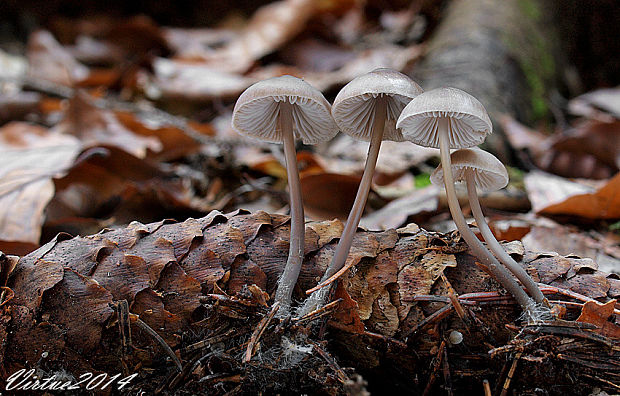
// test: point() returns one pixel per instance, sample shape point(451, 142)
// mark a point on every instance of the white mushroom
point(447, 118)
point(481, 169)
point(367, 109)
point(279, 110)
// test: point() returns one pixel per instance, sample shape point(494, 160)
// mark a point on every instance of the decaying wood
point(502, 52)
point(204, 287)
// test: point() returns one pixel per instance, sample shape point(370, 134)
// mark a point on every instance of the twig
point(546, 289)
point(511, 373)
point(342, 376)
point(486, 387)
point(446, 372)
point(143, 326)
point(438, 360)
point(320, 312)
point(435, 316)
point(458, 308)
point(258, 332)
point(594, 377)
point(386, 339)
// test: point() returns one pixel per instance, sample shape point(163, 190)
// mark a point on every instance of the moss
point(531, 9)
point(531, 50)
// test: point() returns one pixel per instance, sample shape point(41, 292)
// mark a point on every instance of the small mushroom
point(448, 118)
point(367, 109)
point(278, 110)
point(481, 169)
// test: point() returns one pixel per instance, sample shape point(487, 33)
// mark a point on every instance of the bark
point(204, 286)
point(502, 52)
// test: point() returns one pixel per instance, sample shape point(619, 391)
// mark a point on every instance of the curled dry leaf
point(175, 142)
point(599, 315)
point(566, 240)
point(99, 127)
point(602, 104)
point(401, 210)
point(48, 60)
point(348, 155)
point(329, 195)
point(553, 195)
point(193, 81)
point(590, 149)
point(31, 157)
point(270, 27)
point(116, 184)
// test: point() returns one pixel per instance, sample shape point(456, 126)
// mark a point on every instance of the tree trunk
point(502, 52)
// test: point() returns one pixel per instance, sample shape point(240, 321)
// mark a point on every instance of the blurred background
point(118, 111)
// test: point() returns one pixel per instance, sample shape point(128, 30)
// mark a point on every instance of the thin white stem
point(288, 279)
point(499, 272)
point(494, 245)
point(317, 298)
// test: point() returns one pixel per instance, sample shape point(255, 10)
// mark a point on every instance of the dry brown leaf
point(31, 156)
point(591, 149)
point(115, 183)
point(98, 127)
point(598, 139)
point(599, 315)
point(329, 195)
point(348, 155)
point(553, 195)
point(193, 81)
point(346, 316)
point(602, 104)
point(397, 212)
point(175, 142)
point(566, 241)
point(15, 106)
point(270, 27)
point(48, 60)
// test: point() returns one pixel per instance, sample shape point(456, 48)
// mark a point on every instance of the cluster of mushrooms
point(383, 105)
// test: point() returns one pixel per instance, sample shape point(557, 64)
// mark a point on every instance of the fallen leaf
point(329, 195)
point(193, 81)
point(553, 195)
point(590, 149)
point(48, 60)
point(399, 211)
point(271, 26)
point(566, 240)
point(99, 127)
point(31, 157)
point(592, 104)
point(175, 142)
point(598, 139)
point(599, 315)
point(346, 316)
point(348, 155)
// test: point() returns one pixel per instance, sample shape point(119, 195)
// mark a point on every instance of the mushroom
point(367, 109)
point(278, 110)
point(481, 169)
point(448, 118)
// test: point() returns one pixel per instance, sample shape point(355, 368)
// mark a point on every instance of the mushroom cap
point(469, 121)
point(489, 172)
point(353, 108)
point(257, 110)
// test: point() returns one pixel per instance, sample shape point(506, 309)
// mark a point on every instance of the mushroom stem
point(288, 279)
point(494, 245)
point(499, 272)
point(346, 239)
